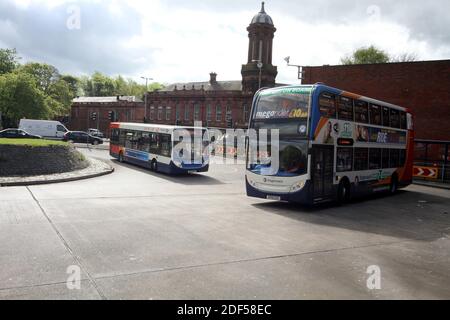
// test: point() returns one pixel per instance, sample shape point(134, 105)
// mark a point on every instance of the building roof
point(106, 99)
point(232, 85)
point(262, 17)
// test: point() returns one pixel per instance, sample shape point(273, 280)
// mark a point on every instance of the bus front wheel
point(154, 165)
point(344, 191)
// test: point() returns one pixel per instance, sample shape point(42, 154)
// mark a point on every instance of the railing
point(432, 161)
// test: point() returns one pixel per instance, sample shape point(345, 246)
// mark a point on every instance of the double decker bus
point(333, 145)
point(153, 146)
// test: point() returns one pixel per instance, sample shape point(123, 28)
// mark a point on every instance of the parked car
point(96, 133)
point(43, 128)
point(17, 134)
point(81, 137)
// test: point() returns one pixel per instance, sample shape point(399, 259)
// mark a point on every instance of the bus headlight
point(251, 182)
point(298, 186)
point(177, 162)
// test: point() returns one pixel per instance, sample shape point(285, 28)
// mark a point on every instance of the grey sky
point(185, 40)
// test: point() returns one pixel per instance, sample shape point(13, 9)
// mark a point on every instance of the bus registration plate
point(275, 198)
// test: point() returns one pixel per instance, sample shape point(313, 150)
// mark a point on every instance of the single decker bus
point(153, 146)
point(333, 145)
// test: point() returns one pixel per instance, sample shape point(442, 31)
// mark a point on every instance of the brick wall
point(423, 86)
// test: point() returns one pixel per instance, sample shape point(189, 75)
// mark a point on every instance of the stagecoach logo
point(347, 131)
point(272, 180)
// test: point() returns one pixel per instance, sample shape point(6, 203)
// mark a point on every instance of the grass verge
point(32, 142)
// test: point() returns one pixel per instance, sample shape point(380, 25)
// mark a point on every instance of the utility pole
point(300, 68)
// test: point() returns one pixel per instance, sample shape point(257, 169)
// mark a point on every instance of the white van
point(43, 128)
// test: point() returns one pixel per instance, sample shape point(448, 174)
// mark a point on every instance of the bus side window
point(393, 158)
point(327, 105)
point(395, 118)
point(345, 108)
point(115, 135)
point(374, 158)
point(344, 159)
point(386, 117)
point(154, 143)
point(385, 159)
point(403, 122)
point(361, 159)
point(375, 114)
point(361, 111)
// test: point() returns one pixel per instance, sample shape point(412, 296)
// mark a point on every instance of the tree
point(43, 73)
point(20, 97)
point(9, 60)
point(74, 84)
point(404, 57)
point(366, 55)
point(370, 55)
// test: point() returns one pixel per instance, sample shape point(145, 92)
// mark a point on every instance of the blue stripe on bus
point(144, 156)
point(315, 110)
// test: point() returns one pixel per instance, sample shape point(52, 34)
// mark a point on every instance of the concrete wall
point(30, 161)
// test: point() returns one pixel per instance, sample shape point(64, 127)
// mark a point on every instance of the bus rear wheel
point(343, 191)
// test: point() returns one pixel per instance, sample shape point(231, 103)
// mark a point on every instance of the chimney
point(212, 78)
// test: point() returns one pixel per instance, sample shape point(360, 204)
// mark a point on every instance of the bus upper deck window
point(327, 105)
point(345, 108)
point(403, 122)
point(375, 115)
point(386, 117)
point(361, 111)
point(395, 118)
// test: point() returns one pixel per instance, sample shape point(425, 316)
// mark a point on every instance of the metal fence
point(432, 160)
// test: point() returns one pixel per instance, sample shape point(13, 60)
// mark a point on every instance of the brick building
point(125, 108)
point(222, 104)
point(216, 103)
point(422, 86)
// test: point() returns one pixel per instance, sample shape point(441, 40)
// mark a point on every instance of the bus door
point(322, 171)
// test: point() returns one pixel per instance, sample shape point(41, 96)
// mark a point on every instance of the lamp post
point(145, 95)
point(300, 68)
point(259, 65)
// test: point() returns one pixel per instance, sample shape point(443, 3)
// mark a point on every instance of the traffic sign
point(426, 172)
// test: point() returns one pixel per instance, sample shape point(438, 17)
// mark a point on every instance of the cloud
point(178, 40)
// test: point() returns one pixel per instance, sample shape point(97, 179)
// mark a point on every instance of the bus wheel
point(343, 191)
point(154, 165)
point(121, 157)
point(394, 184)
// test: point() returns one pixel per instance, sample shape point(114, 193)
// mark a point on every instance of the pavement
point(142, 235)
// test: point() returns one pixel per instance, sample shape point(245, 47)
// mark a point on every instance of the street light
point(300, 68)
point(259, 65)
point(145, 96)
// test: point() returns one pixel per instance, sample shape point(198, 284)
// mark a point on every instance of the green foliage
point(370, 55)
point(100, 85)
point(44, 74)
point(32, 142)
point(38, 91)
point(20, 97)
point(8, 60)
point(366, 56)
